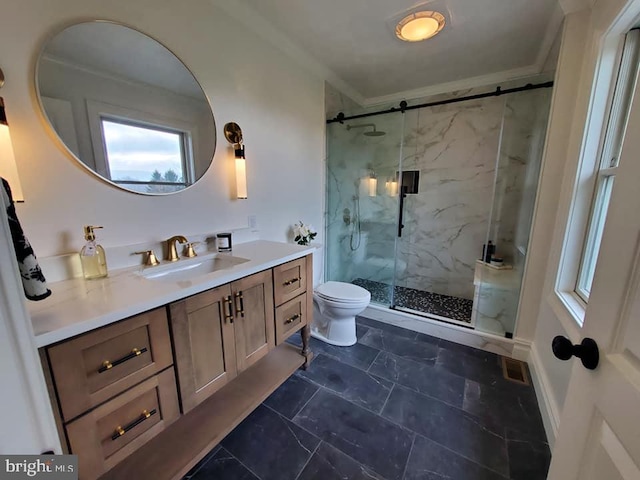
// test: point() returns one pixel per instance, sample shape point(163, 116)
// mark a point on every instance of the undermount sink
point(187, 269)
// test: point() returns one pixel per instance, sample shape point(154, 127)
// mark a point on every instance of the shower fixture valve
point(346, 216)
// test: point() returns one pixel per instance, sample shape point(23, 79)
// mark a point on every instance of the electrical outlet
point(253, 222)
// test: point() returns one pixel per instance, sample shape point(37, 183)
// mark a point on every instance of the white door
point(599, 436)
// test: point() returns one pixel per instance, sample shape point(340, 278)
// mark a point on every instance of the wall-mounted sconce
point(233, 134)
point(8, 169)
point(391, 186)
point(373, 184)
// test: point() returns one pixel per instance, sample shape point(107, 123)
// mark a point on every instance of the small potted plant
point(303, 234)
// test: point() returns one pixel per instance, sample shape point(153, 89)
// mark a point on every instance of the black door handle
point(587, 351)
point(403, 195)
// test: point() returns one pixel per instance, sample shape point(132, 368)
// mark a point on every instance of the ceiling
point(353, 41)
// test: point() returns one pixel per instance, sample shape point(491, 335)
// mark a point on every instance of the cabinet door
point(203, 336)
point(254, 325)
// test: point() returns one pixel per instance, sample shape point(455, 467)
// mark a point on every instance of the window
point(609, 160)
point(146, 158)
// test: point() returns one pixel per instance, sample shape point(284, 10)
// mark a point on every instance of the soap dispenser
point(92, 256)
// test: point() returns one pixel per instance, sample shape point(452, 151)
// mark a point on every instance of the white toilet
point(335, 306)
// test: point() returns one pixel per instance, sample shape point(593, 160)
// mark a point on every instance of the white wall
point(279, 106)
point(537, 322)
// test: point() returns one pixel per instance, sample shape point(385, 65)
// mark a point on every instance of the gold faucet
point(172, 251)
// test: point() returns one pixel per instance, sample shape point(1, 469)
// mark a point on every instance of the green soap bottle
point(92, 256)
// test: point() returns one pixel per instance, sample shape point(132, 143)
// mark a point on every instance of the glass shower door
point(448, 167)
point(362, 203)
point(497, 290)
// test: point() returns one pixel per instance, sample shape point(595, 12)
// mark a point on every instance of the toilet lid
point(345, 292)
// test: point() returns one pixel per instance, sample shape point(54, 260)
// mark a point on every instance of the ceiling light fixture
point(419, 26)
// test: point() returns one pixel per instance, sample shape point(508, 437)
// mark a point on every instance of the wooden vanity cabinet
point(149, 396)
point(219, 333)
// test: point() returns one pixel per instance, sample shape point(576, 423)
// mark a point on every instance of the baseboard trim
point(548, 406)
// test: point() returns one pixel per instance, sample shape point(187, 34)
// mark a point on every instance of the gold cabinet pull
point(229, 315)
point(120, 431)
point(108, 365)
point(293, 319)
point(240, 309)
point(292, 281)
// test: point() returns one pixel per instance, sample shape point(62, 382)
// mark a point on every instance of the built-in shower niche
point(478, 163)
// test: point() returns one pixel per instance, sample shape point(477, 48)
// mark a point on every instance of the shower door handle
point(403, 195)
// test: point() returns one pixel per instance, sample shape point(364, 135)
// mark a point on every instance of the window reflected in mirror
point(147, 159)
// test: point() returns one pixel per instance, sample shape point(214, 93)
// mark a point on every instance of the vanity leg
point(306, 350)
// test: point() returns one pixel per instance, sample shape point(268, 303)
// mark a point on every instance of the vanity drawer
point(290, 317)
point(111, 432)
point(94, 367)
point(289, 280)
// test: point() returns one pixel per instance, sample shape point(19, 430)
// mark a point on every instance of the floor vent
point(515, 370)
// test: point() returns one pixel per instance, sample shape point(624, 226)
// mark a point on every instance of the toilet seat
point(344, 293)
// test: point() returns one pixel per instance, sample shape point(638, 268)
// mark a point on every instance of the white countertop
point(78, 305)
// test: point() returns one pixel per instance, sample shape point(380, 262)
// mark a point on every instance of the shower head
point(372, 133)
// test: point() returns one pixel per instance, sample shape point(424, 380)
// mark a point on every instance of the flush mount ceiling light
point(419, 26)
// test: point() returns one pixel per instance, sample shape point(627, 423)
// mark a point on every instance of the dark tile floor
point(419, 300)
point(397, 405)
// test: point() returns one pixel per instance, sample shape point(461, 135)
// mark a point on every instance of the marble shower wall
point(454, 147)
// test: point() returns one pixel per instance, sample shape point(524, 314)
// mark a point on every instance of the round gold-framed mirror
point(126, 107)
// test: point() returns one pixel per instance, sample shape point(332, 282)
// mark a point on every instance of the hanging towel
point(33, 281)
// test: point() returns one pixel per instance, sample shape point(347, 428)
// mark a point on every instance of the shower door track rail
point(405, 107)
